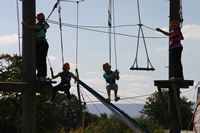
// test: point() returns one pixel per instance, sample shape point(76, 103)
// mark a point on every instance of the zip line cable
point(121, 34)
point(19, 42)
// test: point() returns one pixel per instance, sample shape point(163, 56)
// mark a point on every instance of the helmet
point(66, 65)
point(106, 65)
point(174, 23)
point(40, 16)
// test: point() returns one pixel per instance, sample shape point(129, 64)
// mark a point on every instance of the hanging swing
point(135, 63)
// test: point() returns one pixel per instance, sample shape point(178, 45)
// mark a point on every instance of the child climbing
point(65, 84)
point(176, 48)
point(41, 45)
point(110, 77)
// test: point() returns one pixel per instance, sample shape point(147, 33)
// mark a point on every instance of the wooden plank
point(25, 87)
point(178, 83)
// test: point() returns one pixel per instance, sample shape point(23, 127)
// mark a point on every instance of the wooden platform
point(177, 83)
point(174, 87)
point(37, 87)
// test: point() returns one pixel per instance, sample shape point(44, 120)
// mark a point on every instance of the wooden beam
point(176, 99)
point(163, 105)
point(178, 83)
point(25, 87)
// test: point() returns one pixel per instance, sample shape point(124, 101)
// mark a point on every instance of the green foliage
point(10, 118)
point(153, 108)
point(10, 68)
point(60, 117)
point(152, 125)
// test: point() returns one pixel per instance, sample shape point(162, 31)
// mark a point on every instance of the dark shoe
point(117, 98)
point(108, 99)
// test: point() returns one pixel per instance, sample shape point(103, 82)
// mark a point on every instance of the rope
point(115, 46)
point(109, 30)
point(74, 26)
point(19, 43)
point(77, 34)
point(141, 30)
point(89, 111)
point(59, 13)
point(192, 120)
point(54, 7)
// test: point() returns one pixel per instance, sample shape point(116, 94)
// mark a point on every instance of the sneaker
point(117, 98)
point(49, 102)
point(108, 99)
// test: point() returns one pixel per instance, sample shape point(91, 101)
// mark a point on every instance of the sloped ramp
point(118, 112)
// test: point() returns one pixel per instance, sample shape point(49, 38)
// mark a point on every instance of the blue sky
point(93, 46)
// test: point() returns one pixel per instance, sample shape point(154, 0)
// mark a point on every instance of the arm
point(164, 32)
point(47, 24)
point(29, 26)
point(117, 74)
point(52, 75)
point(76, 77)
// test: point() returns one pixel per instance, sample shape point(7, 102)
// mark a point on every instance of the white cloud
point(138, 85)
point(127, 77)
point(52, 57)
point(8, 39)
point(191, 32)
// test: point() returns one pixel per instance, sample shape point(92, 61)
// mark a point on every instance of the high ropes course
point(111, 31)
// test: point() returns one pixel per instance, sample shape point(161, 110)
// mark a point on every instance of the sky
point(93, 47)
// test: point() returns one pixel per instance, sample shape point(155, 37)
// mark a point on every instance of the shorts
point(111, 86)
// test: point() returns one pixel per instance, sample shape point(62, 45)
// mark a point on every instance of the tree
point(10, 71)
point(10, 68)
point(153, 108)
point(60, 117)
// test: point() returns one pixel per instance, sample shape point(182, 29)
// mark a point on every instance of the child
point(65, 84)
point(110, 77)
point(176, 48)
point(41, 45)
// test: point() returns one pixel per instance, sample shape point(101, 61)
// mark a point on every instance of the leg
point(44, 51)
point(178, 68)
point(67, 92)
point(108, 88)
point(55, 90)
point(115, 87)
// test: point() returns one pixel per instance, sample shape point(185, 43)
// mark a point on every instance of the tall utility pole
point(173, 118)
point(174, 125)
point(28, 67)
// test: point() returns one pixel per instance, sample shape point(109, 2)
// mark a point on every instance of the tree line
point(64, 117)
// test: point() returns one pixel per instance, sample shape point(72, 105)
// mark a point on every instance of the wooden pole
point(28, 68)
point(174, 125)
